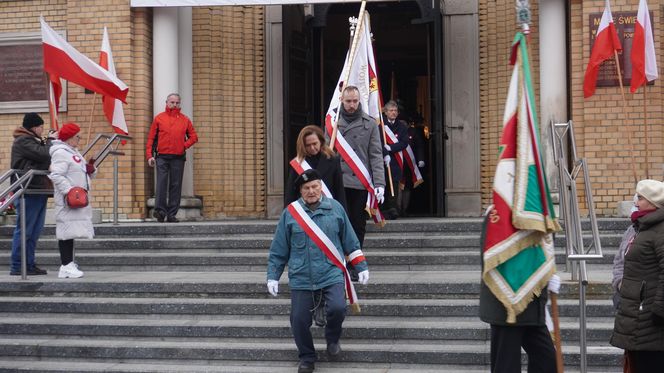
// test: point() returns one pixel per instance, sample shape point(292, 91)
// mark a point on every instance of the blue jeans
point(300, 317)
point(35, 213)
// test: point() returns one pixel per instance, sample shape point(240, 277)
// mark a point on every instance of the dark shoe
point(305, 367)
point(31, 272)
point(391, 214)
point(172, 219)
point(160, 216)
point(333, 349)
point(37, 271)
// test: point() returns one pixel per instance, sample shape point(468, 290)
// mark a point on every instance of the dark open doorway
point(403, 44)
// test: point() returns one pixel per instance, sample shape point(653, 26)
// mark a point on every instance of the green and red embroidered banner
point(518, 251)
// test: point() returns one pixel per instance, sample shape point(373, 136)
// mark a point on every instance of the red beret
point(68, 131)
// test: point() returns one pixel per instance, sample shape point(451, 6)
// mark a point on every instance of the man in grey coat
point(362, 134)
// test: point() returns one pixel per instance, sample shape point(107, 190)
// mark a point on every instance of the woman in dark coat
point(314, 152)
point(639, 324)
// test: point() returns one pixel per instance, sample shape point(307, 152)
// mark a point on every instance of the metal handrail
point(577, 253)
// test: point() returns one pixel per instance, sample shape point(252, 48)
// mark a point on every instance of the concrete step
point(403, 242)
point(197, 308)
point(226, 366)
point(150, 227)
point(246, 326)
point(383, 284)
point(364, 351)
point(194, 260)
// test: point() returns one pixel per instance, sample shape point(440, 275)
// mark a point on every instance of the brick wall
point(603, 126)
point(229, 114)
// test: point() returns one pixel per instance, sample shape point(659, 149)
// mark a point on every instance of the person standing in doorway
point(397, 142)
point(171, 134)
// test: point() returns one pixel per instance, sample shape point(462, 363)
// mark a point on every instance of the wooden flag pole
point(351, 57)
point(645, 129)
point(87, 141)
point(629, 133)
point(556, 331)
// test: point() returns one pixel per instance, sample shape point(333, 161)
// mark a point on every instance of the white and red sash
point(324, 243)
point(407, 154)
point(361, 172)
point(300, 167)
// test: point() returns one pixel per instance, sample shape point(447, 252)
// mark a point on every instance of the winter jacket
point(29, 152)
point(642, 288)
point(363, 135)
point(68, 171)
point(619, 263)
point(492, 311)
point(400, 130)
point(172, 132)
point(308, 267)
point(330, 172)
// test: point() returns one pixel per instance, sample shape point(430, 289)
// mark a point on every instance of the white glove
point(363, 277)
point(387, 159)
point(273, 287)
point(420, 164)
point(388, 148)
point(554, 284)
point(380, 194)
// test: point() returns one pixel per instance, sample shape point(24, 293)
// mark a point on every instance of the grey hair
point(173, 94)
point(391, 104)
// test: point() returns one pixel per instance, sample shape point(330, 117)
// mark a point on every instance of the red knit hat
point(68, 131)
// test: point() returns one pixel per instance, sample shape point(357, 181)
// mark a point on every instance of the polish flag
point(63, 60)
point(644, 64)
point(606, 42)
point(112, 106)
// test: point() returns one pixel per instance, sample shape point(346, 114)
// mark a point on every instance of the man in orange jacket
point(171, 134)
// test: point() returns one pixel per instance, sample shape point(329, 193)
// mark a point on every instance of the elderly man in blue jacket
point(309, 232)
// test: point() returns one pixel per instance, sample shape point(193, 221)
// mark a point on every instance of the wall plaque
point(23, 82)
point(624, 23)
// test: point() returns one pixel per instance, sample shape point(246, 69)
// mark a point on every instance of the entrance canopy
point(165, 3)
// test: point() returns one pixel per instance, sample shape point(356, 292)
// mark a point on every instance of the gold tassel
point(355, 308)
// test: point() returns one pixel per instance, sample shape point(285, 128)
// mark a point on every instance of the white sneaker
point(70, 271)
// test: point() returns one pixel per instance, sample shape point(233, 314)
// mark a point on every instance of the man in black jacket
point(529, 331)
point(390, 153)
point(30, 151)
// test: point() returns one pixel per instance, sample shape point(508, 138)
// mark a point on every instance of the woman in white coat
point(68, 170)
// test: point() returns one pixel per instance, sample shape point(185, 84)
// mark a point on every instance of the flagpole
point(556, 332)
point(351, 56)
point(645, 129)
point(629, 133)
point(52, 110)
point(87, 141)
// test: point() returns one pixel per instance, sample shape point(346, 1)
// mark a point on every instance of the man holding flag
point(362, 135)
point(517, 244)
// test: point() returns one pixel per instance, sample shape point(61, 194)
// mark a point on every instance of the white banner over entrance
point(166, 3)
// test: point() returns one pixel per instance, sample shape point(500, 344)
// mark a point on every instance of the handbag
point(77, 198)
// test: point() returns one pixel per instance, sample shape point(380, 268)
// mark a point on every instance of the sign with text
point(624, 23)
point(22, 75)
point(23, 83)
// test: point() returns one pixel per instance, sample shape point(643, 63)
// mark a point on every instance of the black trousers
point(646, 361)
point(356, 201)
point(506, 343)
point(66, 251)
point(169, 183)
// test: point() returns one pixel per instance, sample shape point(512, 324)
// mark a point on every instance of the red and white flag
point(63, 60)
point(360, 75)
point(644, 63)
point(112, 106)
point(606, 42)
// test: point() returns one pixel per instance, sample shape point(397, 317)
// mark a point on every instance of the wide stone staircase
point(191, 297)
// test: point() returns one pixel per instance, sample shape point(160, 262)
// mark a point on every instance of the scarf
point(638, 214)
point(351, 117)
